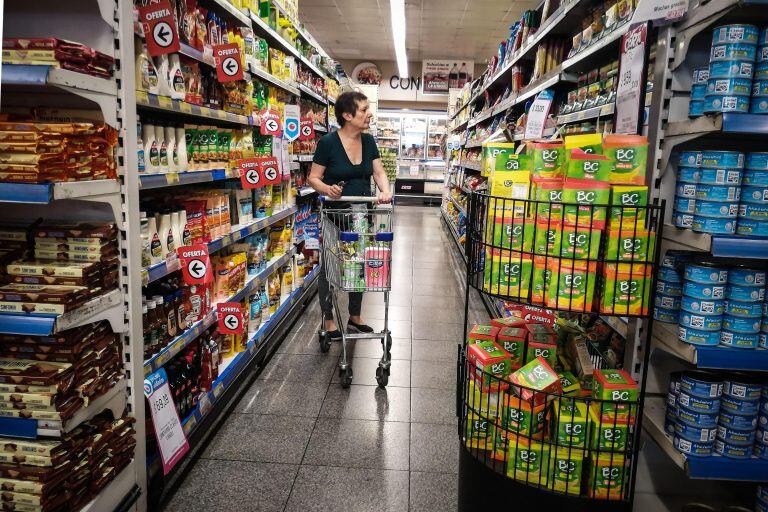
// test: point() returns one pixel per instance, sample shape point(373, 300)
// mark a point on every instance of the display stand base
point(482, 488)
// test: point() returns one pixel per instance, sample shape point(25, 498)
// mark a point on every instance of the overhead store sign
point(292, 116)
point(630, 90)
point(170, 436)
point(229, 64)
point(160, 29)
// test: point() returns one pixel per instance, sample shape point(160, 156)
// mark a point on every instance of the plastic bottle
point(170, 144)
point(146, 72)
point(162, 149)
point(154, 328)
point(151, 153)
point(166, 235)
point(155, 248)
point(181, 315)
point(162, 64)
point(146, 330)
point(140, 165)
point(463, 76)
point(175, 217)
point(186, 236)
point(213, 29)
point(146, 255)
point(181, 149)
point(176, 78)
point(453, 77)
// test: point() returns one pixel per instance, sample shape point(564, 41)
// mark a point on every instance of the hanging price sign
point(631, 88)
point(270, 170)
point(229, 64)
point(292, 116)
point(250, 173)
point(170, 436)
point(160, 30)
point(537, 115)
point(230, 318)
point(270, 123)
point(307, 130)
point(195, 264)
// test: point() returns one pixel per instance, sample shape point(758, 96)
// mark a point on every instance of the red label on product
point(307, 129)
point(195, 264)
point(270, 170)
point(160, 30)
point(250, 173)
point(229, 64)
point(271, 123)
point(230, 318)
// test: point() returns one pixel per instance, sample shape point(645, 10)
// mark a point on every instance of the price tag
point(172, 178)
point(185, 107)
point(250, 173)
point(160, 29)
point(142, 97)
point(270, 170)
point(170, 437)
point(270, 123)
point(631, 86)
point(307, 130)
point(195, 264)
point(230, 318)
point(204, 404)
point(229, 63)
point(537, 115)
point(659, 11)
point(144, 277)
point(165, 102)
point(292, 116)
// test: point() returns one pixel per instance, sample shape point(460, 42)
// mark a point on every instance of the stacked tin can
point(753, 209)
point(669, 287)
point(731, 68)
point(717, 192)
point(744, 305)
point(703, 303)
point(761, 505)
point(761, 436)
point(737, 423)
point(698, 92)
point(688, 173)
point(759, 102)
point(693, 407)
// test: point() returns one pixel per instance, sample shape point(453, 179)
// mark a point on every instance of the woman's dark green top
point(330, 153)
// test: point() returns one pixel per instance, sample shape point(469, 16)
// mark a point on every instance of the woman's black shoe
point(335, 335)
point(353, 327)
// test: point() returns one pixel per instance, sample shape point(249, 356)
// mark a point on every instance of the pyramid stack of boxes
point(535, 401)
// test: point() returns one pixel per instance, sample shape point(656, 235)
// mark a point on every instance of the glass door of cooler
point(388, 132)
point(413, 138)
point(437, 127)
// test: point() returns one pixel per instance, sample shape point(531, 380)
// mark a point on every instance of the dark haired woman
point(344, 163)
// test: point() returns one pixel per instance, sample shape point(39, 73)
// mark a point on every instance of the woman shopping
point(343, 164)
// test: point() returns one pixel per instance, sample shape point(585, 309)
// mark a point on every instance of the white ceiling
point(437, 29)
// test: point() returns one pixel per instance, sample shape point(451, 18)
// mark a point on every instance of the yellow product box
point(527, 460)
point(490, 151)
point(479, 432)
point(567, 468)
point(607, 476)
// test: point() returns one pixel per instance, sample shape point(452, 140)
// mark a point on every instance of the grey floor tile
point(429, 405)
point(376, 311)
point(401, 348)
point(438, 331)
point(434, 350)
point(300, 368)
point(396, 298)
point(398, 328)
point(359, 444)
point(304, 341)
point(333, 489)
point(433, 374)
point(235, 487)
point(360, 402)
point(435, 301)
point(433, 492)
point(451, 289)
point(261, 438)
point(283, 397)
point(434, 448)
point(364, 372)
point(438, 315)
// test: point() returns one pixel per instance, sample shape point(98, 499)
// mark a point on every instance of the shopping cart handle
point(351, 199)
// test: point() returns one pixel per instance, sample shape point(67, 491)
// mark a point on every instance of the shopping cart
point(357, 256)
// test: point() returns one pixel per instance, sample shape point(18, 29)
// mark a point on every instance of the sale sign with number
point(307, 130)
point(270, 170)
point(537, 115)
point(195, 264)
point(160, 29)
point(631, 88)
point(250, 173)
point(229, 64)
point(270, 123)
point(170, 436)
point(230, 318)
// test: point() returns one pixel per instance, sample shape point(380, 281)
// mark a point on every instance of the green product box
point(589, 167)
point(617, 388)
point(607, 432)
point(626, 289)
point(548, 158)
point(523, 418)
point(629, 157)
point(490, 359)
point(607, 476)
point(584, 200)
point(567, 468)
point(630, 245)
point(481, 332)
point(512, 339)
point(542, 276)
point(548, 192)
point(487, 400)
point(479, 432)
point(507, 273)
point(548, 238)
point(545, 351)
point(511, 161)
point(514, 233)
point(570, 422)
point(573, 285)
point(491, 151)
point(570, 384)
point(628, 206)
point(536, 375)
point(527, 460)
point(580, 243)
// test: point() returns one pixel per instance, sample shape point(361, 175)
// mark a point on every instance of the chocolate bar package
point(77, 232)
point(72, 296)
point(53, 268)
point(44, 375)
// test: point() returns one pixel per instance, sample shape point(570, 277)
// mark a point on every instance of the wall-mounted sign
point(366, 73)
point(438, 76)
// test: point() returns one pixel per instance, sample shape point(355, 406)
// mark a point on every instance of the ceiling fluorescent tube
point(397, 14)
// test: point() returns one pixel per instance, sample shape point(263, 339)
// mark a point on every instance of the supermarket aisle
point(297, 441)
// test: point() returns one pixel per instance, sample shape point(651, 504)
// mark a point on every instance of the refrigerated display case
point(413, 135)
point(388, 132)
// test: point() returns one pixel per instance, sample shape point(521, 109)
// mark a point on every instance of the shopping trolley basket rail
point(356, 253)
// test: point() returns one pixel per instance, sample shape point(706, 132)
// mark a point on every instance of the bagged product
point(572, 285)
point(630, 245)
point(580, 242)
point(627, 206)
point(628, 155)
point(548, 238)
point(491, 150)
point(549, 194)
point(510, 232)
point(508, 273)
point(587, 166)
point(589, 143)
point(528, 460)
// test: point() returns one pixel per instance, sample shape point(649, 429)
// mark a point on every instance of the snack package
point(490, 359)
point(547, 192)
point(491, 150)
point(586, 202)
point(569, 423)
point(536, 375)
point(523, 417)
point(607, 432)
point(589, 143)
point(629, 245)
point(628, 155)
point(626, 288)
point(508, 273)
point(511, 232)
point(548, 157)
point(607, 477)
point(628, 206)
point(528, 460)
point(512, 339)
point(587, 166)
point(567, 468)
point(616, 386)
point(482, 333)
point(572, 285)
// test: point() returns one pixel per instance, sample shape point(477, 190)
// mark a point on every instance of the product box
point(607, 432)
point(569, 383)
point(485, 399)
point(482, 333)
point(630, 245)
point(534, 315)
point(527, 460)
point(628, 155)
point(587, 166)
point(607, 477)
point(546, 351)
point(508, 273)
point(511, 232)
point(550, 194)
point(492, 360)
point(541, 333)
point(570, 422)
point(567, 468)
point(578, 354)
point(508, 321)
point(586, 202)
point(542, 278)
point(628, 204)
point(548, 156)
point(512, 339)
point(626, 289)
point(523, 417)
point(588, 143)
point(510, 185)
point(573, 285)
point(580, 242)
point(535, 376)
point(491, 151)
point(619, 390)
point(479, 432)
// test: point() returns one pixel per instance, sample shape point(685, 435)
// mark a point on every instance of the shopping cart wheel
point(346, 376)
point(382, 376)
point(325, 341)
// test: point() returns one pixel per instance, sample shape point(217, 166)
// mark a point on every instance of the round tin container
point(671, 400)
point(760, 88)
point(705, 307)
point(711, 176)
point(742, 276)
point(728, 86)
point(696, 108)
point(691, 448)
point(742, 388)
point(738, 340)
point(756, 161)
point(731, 69)
point(682, 220)
point(758, 106)
point(695, 418)
point(752, 194)
point(752, 227)
point(705, 273)
point(717, 192)
point(744, 309)
point(700, 75)
point(761, 437)
point(737, 421)
point(703, 291)
point(737, 405)
point(735, 437)
point(753, 211)
point(755, 178)
point(701, 384)
point(687, 190)
point(696, 434)
point(701, 322)
point(698, 91)
point(762, 54)
point(762, 340)
point(669, 275)
point(688, 174)
point(722, 103)
point(668, 316)
point(667, 288)
point(674, 382)
point(674, 259)
point(761, 451)
point(684, 205)
point(698, 337)
point(741, 325)
point(669, 422)
point(732, 451)
point(667, 301)
point(690, 159)
point(736, 33)
point(732, 51)
point(762, 421)
point(719, 209)
point(745, 293)
point(761, 68)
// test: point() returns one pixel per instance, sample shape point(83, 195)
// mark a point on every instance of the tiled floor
point(297, 441)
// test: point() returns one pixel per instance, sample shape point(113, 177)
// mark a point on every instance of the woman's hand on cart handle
point(334, 192)
point(384, 197)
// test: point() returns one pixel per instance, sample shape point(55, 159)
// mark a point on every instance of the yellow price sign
point(142, 97)
point(185, 107)
point(172, 178)
point(222, 114)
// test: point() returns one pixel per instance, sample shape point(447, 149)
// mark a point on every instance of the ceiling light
point(397, 14)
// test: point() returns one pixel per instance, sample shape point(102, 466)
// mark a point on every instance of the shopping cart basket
point(357, 257)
